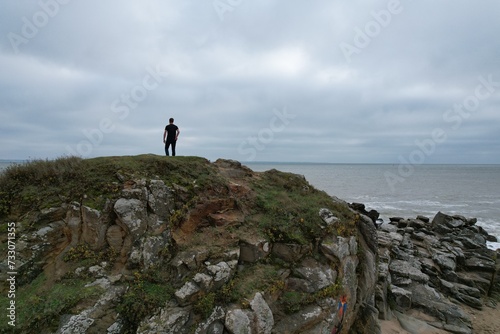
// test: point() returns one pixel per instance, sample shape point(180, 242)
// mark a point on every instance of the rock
point(81, 322)
point(221, 272)
point(401, 298)
point(132, 215)
point(372, 214)
point(444, 224)
point(160, 199)
point(407, 270)
point(264, 319)
point(253, 250)
point(153, 249)
point(290, 252)
point(318, 275)
point(327, 216)
point(300, 321)
point(171, 320)
point(335, 248)
point(204, 281)
point(214, 324)
point(438, 306)
point(369, 232)
point(445, 261)
point(187, 294)
point(93, 228)
point(115, 236)
point(238, 322)
point(479, 263)
point(414, 325)
point(423, 218)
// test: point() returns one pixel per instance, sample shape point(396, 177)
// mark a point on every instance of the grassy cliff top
point(284, 204)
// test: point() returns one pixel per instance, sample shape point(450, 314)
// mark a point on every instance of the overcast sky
point(355, 81)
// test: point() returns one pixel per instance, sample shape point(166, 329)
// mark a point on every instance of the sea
point(472, 191)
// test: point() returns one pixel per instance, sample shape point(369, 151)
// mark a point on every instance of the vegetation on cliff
point(215, 206)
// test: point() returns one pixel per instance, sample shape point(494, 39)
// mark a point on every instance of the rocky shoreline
point(431, 271)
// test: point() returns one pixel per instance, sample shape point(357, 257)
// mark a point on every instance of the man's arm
point(177, 133)
point(164, 135)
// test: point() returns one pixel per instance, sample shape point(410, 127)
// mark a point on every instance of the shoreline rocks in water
point(429, 270)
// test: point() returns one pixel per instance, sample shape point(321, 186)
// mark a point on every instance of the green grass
point(41, 184)
point(144, 296)
point(256, 277)
point(288, 207)
point(39, 308)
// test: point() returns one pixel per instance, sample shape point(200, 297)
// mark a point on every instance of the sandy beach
point(485, 321)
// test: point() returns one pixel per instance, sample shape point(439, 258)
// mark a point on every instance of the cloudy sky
point(355, 81)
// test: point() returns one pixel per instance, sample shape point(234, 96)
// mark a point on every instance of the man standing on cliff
point(170, 136)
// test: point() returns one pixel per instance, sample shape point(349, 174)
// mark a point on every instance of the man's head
point(171, 120)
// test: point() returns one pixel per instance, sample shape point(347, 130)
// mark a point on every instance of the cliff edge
point(151, 244)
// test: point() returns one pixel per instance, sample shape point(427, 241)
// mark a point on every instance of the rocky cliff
point(431, 272)
point(151, 244)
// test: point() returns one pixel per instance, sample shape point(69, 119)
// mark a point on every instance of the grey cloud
point(225, 78)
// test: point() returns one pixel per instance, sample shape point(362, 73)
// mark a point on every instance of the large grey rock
point(438, 306)
point(264, 319)
point(320, 276)
point(238, 322)
point(160, 199)
point(336, 248)
point(132, 215)
point(408, 270)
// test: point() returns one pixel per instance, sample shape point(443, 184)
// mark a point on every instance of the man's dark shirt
point(171, 132)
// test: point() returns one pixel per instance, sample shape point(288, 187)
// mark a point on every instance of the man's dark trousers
point(167, 144)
